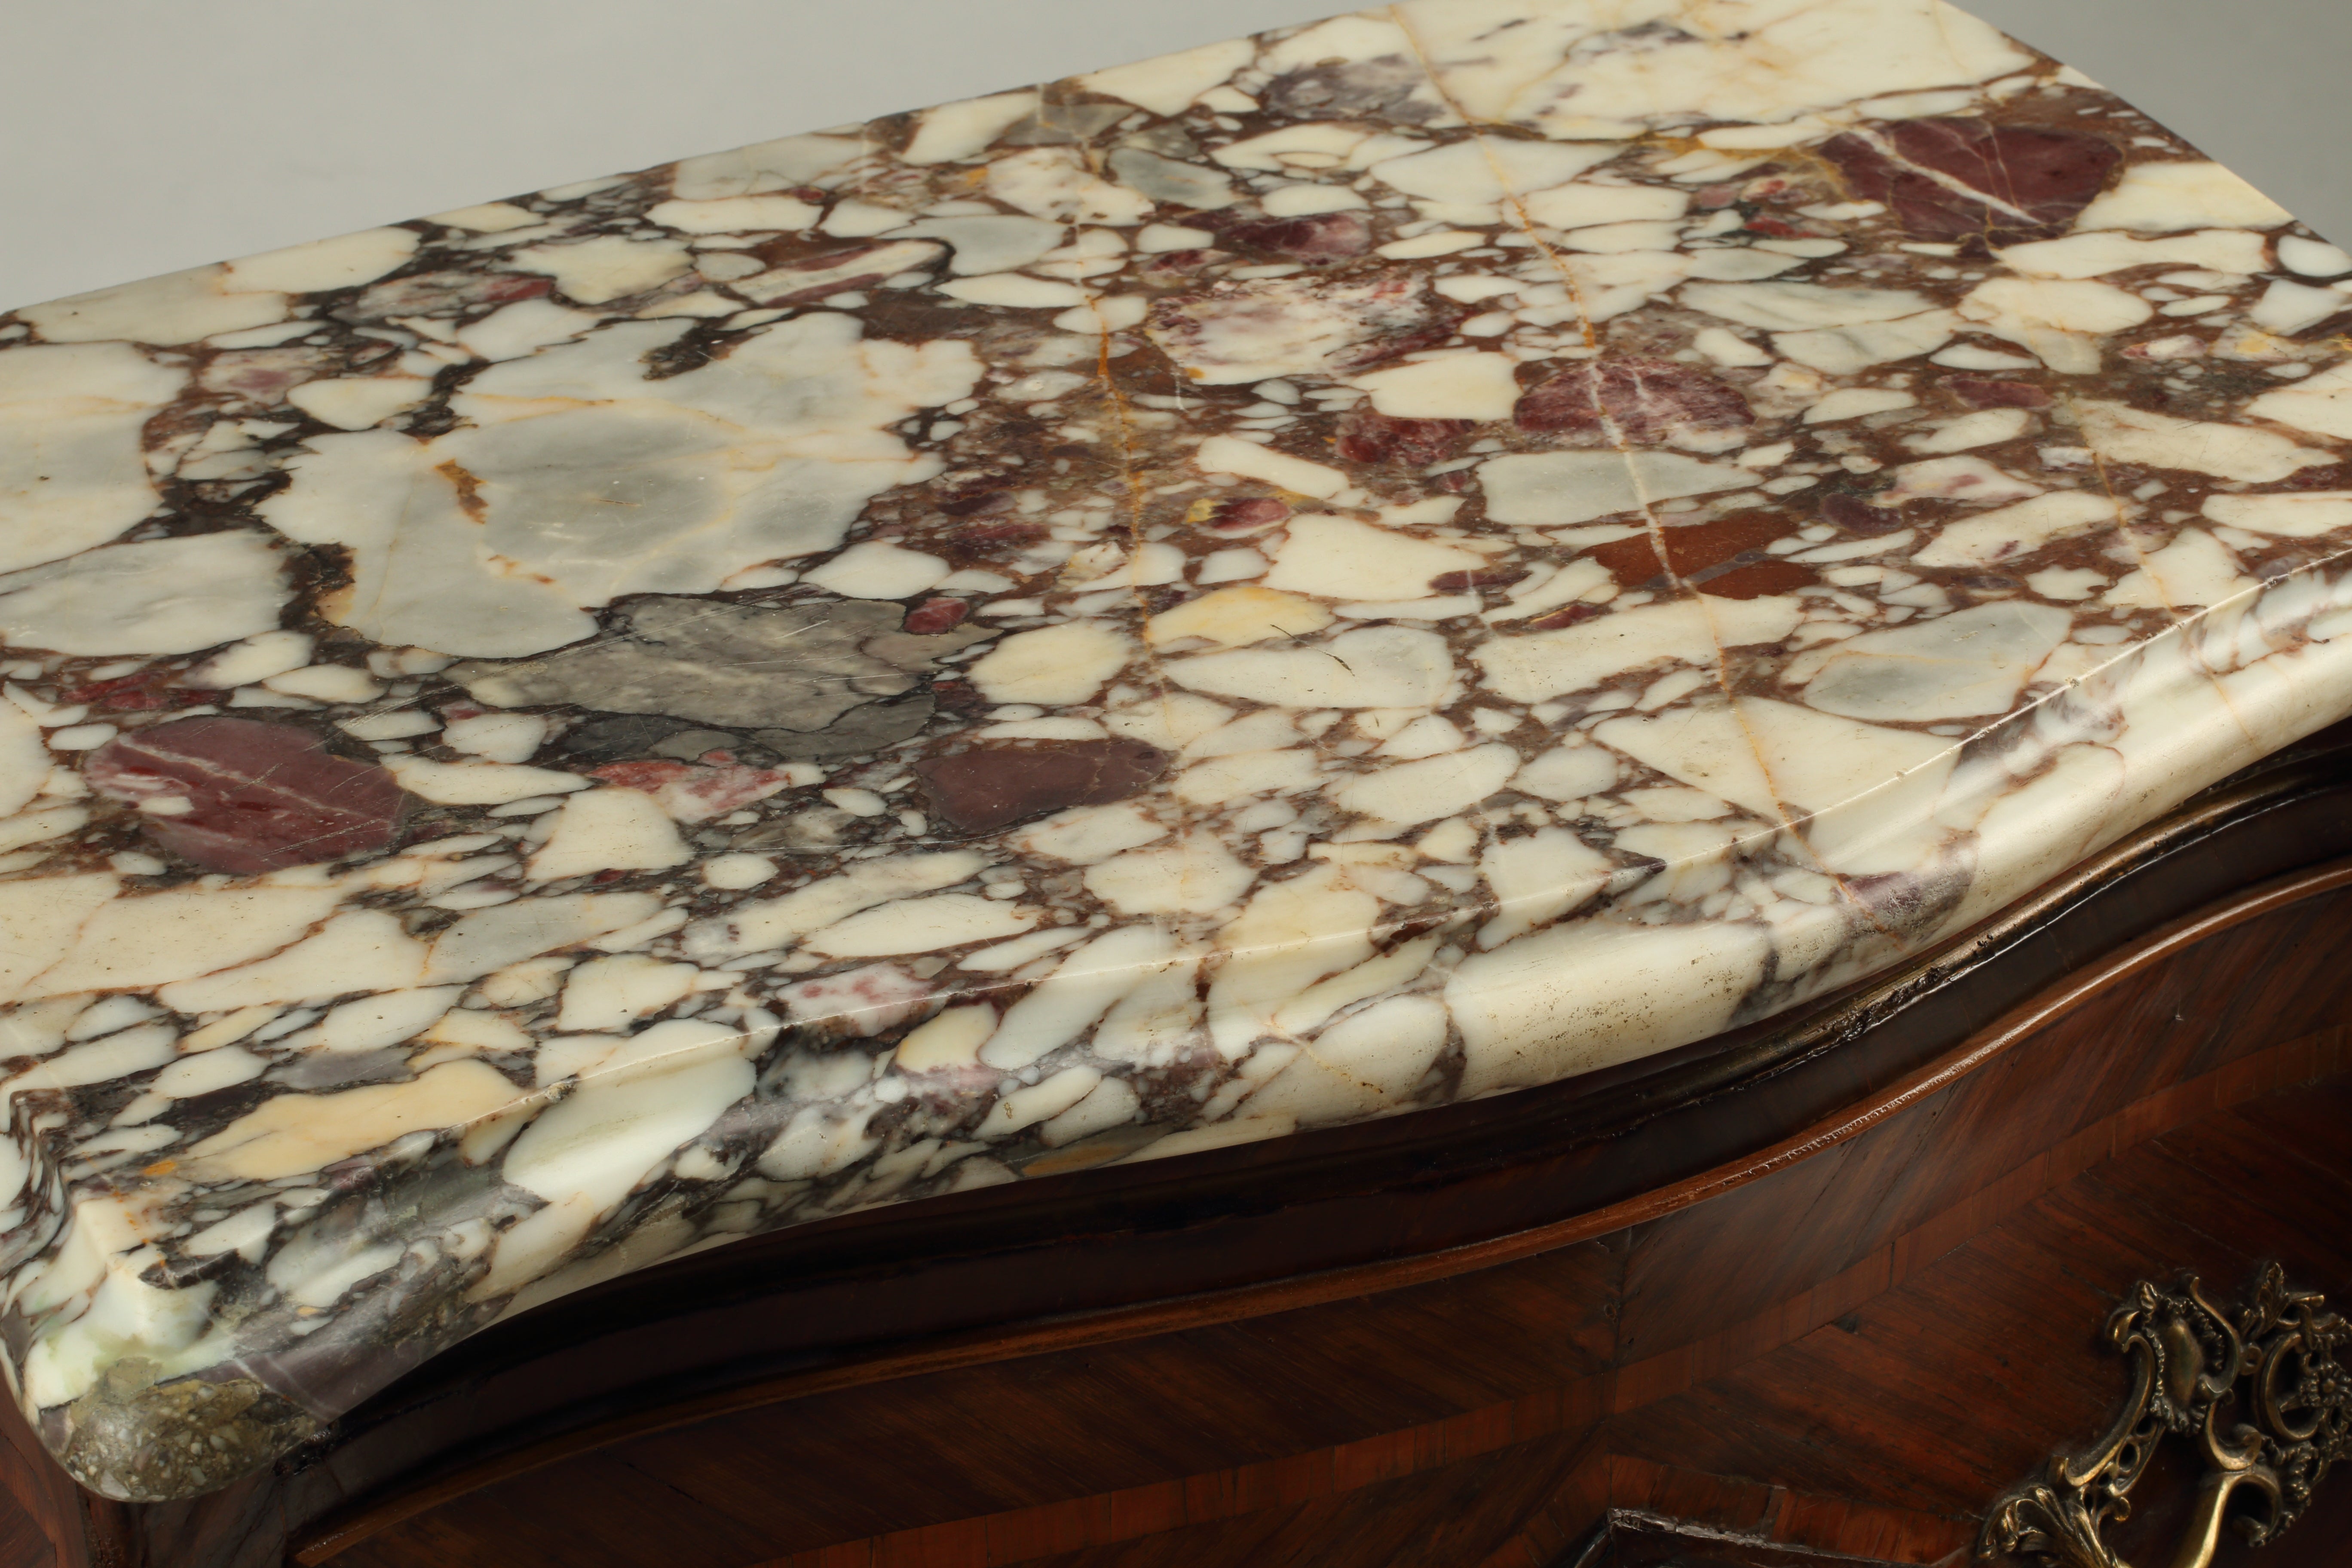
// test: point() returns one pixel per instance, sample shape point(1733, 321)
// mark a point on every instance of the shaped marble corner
point(1329, 574)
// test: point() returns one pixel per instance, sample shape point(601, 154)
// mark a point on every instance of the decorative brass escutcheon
point(2265, 1398)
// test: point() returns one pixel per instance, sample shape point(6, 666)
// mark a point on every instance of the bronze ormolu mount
point(2264, 1397)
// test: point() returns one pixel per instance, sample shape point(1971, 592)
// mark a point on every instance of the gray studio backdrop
point(138, 136)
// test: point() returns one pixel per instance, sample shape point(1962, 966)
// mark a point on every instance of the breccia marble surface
point(1392, 560)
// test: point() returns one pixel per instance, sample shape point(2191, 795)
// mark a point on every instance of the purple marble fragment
point(1965, 178)
point(990, 787)
point(250, 796)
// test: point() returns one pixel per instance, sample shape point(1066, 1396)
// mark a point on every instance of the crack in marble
point(1517, 202)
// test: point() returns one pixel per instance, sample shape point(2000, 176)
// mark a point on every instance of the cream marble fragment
point(718, 474)
point(1588, 996)
point(2225, 451)
point(1172, 83)
point(153, 596)
point(364, 949)
point(2321, 405)
point(2170, 196)
point(71, 472)
point(1327, 575)
point(177, 308)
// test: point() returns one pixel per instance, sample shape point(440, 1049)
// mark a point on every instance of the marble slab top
point(1391, 560)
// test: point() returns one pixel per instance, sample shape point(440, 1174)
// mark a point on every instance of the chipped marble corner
point(1398, 559)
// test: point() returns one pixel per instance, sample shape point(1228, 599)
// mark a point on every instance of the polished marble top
point(1391, 560)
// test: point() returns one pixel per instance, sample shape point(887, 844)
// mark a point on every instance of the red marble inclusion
point(258, 797)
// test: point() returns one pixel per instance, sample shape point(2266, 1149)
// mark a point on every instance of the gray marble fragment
point(793, 669)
